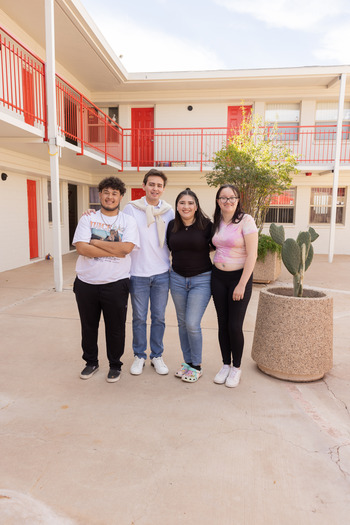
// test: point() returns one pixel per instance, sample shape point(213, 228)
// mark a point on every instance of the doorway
point(32, 219)
point(72, 211)
point(142, 126)
point(235, 118)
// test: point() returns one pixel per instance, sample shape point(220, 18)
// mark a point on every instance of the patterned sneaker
point(221, 376)
point(233, 378)
point(113, 375)
point(159, 366)
point(192, 375)
point(88, 371)
point(182, 371)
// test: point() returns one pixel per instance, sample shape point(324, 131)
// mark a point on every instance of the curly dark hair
point(201, 219)
point(114, 183)
point(239, 213)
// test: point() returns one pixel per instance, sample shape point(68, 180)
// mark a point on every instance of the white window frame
point(287, 117)
point(322, 205)
point(326, 117)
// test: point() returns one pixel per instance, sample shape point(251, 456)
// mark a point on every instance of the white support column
point(52, 141)
point(336, 166)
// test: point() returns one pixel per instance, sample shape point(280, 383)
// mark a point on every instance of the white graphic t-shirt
point(118, 228)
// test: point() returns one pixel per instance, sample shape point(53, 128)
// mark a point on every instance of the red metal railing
point(196, 147)
point(22, 81)
point(22, 94)
point(85, 125)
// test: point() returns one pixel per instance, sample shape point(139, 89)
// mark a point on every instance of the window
point(94, 199)
point(113, 134)
point(97, 125)
point(49, 201)
point(321, 204)
point(326, 121)
point(282, 207)
point(287, 117)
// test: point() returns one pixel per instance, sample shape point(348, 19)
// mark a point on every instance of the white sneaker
point(159, 366)
point(137, 366)
point(221, 376)
point(233, 378)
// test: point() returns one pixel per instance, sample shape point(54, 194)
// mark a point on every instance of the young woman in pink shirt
point(236, 241)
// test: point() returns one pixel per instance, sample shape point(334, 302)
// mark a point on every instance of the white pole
point(336, 166)
point(52, 141)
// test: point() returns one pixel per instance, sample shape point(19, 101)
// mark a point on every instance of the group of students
point(137, 261)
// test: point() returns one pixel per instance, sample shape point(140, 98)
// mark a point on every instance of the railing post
point(45, 105)
point(202, 149)
point(138, 142)
point(105, 139)
point(81, 125)
point(122, 139)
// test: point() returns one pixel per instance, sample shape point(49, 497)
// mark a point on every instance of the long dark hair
point(201, 219)
point(239, 213)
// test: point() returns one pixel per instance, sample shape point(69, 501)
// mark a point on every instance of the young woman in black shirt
point(189, 240)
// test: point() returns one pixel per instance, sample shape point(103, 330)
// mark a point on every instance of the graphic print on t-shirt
point(104, 232)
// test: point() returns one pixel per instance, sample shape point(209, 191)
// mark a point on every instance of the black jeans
point(230, 313)
point(112, 300)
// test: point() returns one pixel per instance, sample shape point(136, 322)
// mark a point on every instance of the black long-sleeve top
point(190, 249)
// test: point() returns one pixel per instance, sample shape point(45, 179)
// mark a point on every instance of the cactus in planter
point(296, 255)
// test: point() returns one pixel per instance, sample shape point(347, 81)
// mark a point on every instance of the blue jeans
point(191, 296)
point(152, 290)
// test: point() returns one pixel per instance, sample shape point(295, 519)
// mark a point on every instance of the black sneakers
point(113, 375)
point(88, 371)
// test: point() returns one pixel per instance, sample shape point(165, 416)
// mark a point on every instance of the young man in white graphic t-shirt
point(104, 241)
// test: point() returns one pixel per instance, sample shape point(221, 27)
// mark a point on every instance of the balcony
point(194, 148)
point(87, 131)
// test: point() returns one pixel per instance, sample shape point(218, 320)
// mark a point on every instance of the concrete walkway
point(150, 449)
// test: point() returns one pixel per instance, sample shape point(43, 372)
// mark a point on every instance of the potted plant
point(268, 264)
point(260, 165)
point(293, 337)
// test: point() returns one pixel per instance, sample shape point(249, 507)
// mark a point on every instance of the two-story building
point(110, 121)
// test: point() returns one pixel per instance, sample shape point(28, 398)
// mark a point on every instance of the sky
point(186, 35)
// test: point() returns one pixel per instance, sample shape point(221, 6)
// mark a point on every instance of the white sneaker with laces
point(159, 366)
point(137, 366)
point(233, 378)
point(221, 376)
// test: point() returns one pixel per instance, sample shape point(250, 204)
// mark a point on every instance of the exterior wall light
point(3, 176)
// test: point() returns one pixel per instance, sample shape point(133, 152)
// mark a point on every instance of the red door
point(142, 125)
point(28, 96)
point(32, 219)
point(235, 118)
point(137, 193)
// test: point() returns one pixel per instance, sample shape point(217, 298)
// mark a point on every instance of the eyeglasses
point(230, 199)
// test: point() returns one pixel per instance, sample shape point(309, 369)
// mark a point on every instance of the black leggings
point(230, 313)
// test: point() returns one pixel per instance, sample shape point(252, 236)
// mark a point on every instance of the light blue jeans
point(191, 296)
point(145, 291)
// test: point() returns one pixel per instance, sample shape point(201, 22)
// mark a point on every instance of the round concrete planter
point(293, 338)
point(268, 270)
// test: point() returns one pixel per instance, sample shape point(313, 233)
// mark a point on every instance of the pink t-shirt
point(229, 241)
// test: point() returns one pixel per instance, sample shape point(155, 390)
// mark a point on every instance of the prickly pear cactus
point(296, 255)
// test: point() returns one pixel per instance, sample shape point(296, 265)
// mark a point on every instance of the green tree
point(258, 163)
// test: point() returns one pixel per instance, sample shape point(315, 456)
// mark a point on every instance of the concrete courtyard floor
point(153, 450)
